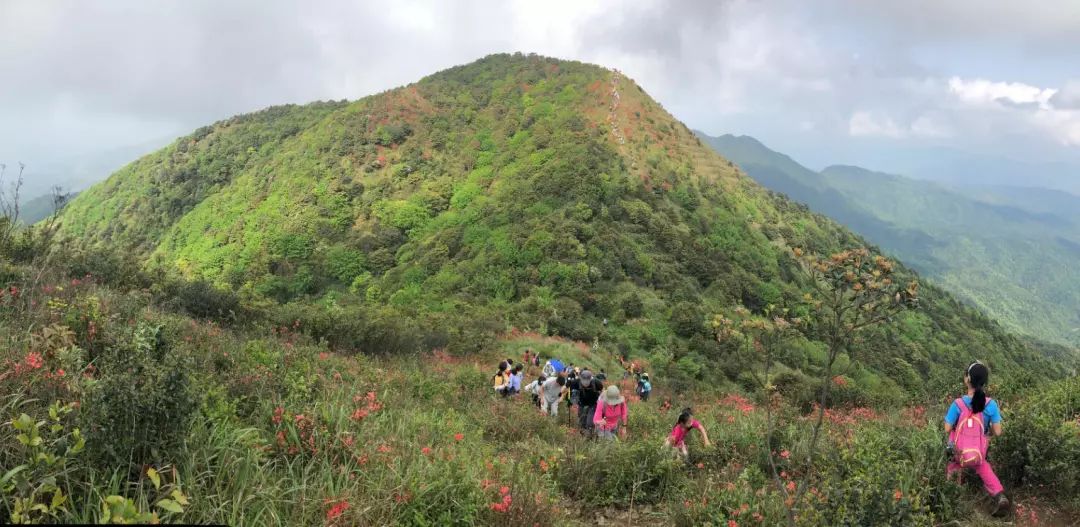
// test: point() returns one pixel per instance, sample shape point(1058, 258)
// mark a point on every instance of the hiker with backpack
point(589, 390)
point(533, 388)
point(644, 387)
point(549, 369)
point(968, 424)
point(501, 380)
point(573, 386)
point(551, 393)
point(610, 410)
point(677, 439)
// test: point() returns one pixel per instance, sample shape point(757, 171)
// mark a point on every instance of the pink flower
point(426, 450)
point(504, 490)
point(34, 360)
point(731, 523)
point(459, 436)
point(785, 454)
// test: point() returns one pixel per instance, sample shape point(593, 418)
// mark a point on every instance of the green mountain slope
point(516, 191)
point(1010, 252)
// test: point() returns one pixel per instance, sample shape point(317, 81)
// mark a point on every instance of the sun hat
point(612, 397)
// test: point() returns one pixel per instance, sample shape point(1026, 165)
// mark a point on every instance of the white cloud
point(927, 126)
point(982, 91)
point(871, 124)
point(1068, 97)
point(878, 124)
point(1021, 108)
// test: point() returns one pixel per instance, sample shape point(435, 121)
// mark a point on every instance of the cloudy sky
point(825, 81)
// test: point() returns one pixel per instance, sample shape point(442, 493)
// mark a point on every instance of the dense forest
point(292, 317)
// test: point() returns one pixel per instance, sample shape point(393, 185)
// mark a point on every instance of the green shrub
point(202, 299)
point(883, 475)
point(1041, 443)
point(604, 474)
point(138, 409)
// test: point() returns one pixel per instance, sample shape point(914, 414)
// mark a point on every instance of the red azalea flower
point(504, 490)
point(897, 495)
point(459, 436)
point(337, 510)
point(785, 454)
point(731, 523)
point(34, 360)
point(426, 450)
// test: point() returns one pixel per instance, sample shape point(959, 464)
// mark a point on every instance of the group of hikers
point(602, 412)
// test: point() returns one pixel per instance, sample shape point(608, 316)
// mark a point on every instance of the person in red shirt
point(686, 422)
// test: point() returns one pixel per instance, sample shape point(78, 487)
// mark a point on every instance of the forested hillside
point(1008, 251)
point(512, 192)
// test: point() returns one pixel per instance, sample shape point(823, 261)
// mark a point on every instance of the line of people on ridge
point(601, 411)
point(968, 424)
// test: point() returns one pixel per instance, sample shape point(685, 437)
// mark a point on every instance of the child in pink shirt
point(686, 422)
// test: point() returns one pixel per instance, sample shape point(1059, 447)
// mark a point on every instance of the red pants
point(986, 474)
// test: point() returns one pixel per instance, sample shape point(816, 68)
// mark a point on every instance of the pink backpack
point(969, 436)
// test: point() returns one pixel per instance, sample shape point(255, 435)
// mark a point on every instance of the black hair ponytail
point(685, 416)
point(978, 374)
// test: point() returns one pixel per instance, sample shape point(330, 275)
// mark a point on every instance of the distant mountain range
point(1011, 251)
point(36, 209)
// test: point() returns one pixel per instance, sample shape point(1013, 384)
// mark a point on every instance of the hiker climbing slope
point(551, 393)
point(968, 424)
point(589, 391)
point(611, 414)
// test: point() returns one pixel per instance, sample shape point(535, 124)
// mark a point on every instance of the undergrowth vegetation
point(261, 424)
